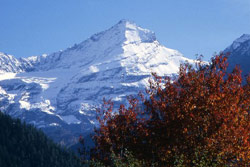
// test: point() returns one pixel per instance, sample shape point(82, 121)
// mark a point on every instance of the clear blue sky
point(33, 27)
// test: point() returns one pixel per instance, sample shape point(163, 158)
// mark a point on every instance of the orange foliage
point(204, 113)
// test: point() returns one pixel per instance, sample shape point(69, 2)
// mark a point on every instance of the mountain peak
point(239, 41)
point(243, 38)
point(60, 92)
point(124, 22)
point(8, 63)
point(240, 54)
point(125, 32)
point(134, 33)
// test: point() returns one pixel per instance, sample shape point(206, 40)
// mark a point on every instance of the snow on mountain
point(9, 64)
point(240, 54)
point(239, 41)
point(59, 92)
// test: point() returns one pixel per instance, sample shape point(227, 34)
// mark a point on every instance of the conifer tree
point(22, 145)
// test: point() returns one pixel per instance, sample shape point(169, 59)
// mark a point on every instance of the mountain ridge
point(239, 54)
point(125, 32)
point(60, 92)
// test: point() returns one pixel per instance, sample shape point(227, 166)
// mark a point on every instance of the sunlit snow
point(67, 86)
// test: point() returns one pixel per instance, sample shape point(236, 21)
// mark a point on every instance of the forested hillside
point(22, 145)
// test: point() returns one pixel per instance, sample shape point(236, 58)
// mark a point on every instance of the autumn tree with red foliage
point(202, 117)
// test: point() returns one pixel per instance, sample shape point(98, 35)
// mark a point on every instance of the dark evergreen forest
point(23, 145)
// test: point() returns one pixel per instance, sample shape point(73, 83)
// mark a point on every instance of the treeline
point(22, 145)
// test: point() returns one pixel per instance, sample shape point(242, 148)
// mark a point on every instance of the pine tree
point(22, 145)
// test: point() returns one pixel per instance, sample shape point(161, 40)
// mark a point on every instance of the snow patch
point(93, 69)
point(54, 124)
point(70, 119)
point(4, 76)
point(24, 105)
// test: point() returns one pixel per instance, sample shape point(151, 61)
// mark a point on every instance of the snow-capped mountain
point(240, 54)
point(59, 92)
point(9, 64)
